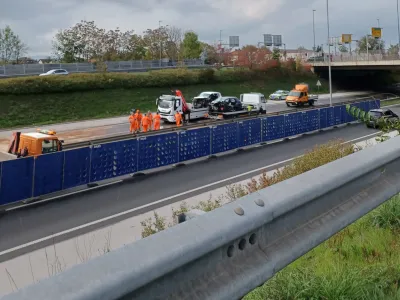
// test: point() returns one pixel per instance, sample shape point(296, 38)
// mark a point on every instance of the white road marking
point(47, 238)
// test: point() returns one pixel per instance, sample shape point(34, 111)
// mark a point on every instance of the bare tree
point(11, 46)
point(173, 42)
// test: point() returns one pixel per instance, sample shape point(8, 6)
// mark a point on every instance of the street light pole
point(379, 41)
point(398, 27)
point(159, 38)
point(329, 55)
point(313, 21)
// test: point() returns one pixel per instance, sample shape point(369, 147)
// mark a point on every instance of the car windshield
point(204, 94)
point(165, 103)
point(279, 92)
point(294, 94)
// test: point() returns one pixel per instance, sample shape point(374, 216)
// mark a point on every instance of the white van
point(257, 100)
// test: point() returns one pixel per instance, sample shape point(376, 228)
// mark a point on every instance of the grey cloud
point(35, 18)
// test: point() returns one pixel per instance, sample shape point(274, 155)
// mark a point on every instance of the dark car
point(226, 104)
point(377, 114)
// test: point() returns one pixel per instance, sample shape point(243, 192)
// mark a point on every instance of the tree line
point(85, 41)
point(11, 46)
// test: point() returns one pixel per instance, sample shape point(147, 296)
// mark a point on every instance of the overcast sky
point(36, 21)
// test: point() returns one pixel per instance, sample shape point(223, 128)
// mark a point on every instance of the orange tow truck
point(34, 143)
point(300, 96)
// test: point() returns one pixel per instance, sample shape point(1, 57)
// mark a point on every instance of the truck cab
point(168, 105)
point(35, 143)
point(256, 100)
point(300, 96)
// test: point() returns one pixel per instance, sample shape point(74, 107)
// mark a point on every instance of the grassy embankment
point(362, 262)
point(44, 106)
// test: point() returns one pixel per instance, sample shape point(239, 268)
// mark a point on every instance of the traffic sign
point(319, 83)
point(376, 32)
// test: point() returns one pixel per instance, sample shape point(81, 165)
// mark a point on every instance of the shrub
point(314, 158)
point(105, 80)
point(387, 215)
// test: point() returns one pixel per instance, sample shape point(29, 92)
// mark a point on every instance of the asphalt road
point(18, 227)
point(272, 106)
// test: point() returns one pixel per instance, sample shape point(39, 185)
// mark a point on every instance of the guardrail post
point(23, 68)
point(131, 64)
point(77, 67)
point(43, 67)
point(119, 65)
point(4, 67)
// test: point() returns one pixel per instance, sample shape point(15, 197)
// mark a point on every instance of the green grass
point(390, 102)
point(361, 262)
point(25, 110)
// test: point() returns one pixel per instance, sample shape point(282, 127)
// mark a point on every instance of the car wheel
point(287, 104)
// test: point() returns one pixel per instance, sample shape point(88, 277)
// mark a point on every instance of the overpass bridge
point(359, 69)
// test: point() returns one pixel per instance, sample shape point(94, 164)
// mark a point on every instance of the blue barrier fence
point(31, 177)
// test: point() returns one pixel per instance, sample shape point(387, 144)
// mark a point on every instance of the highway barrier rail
point(226, 253)
point(112, 66)
point(29, 178)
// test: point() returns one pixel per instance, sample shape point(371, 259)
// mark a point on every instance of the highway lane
point(87, 129)
point(18, 227)
point(272, 106)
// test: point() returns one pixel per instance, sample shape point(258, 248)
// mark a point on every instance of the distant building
point(27, 60)
point(303, 54)
point(45, 61)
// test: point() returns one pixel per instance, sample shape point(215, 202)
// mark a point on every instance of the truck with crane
point(202, 106)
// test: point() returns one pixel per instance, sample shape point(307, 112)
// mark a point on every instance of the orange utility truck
point(34, 143)
point(300, 96)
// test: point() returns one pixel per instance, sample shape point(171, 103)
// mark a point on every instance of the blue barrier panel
point(364, 106)
point(337, 112)
point(249, 132)
point(76, 167)
point(293, 124)
point(330, 117)
point(158, 150)
point(378, 103)
point(311, 120)
point(273, 128)
point(16, 180)
point(194, 143)
point(224, 138)
point(113, 159)
point(323, 118)
point(48, 176)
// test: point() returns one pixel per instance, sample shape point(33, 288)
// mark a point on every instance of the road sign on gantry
point(346, 38)
point(376, 32)
point(268, 40)
point(277, 40)
point(233, 41)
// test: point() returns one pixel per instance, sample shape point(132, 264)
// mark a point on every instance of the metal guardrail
point(9, 71)
point(226, 253)
point(121, 137)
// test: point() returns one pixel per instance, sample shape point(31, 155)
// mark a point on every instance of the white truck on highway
point(256, 100)
point(169, 105)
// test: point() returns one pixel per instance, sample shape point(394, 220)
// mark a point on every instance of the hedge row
point(97, 81)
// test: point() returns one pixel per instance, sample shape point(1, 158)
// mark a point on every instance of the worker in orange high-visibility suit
point(178, 119)
point(150, 116)
point(157, 121)
point(132, 121)
point(145, 123)
point(138, 120)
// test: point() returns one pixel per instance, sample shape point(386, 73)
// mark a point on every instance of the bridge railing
point(358, 56)
point(226, 253)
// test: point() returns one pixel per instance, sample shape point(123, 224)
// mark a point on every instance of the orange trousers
point(145, 128)
point(132, 128)
point(157, 125)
